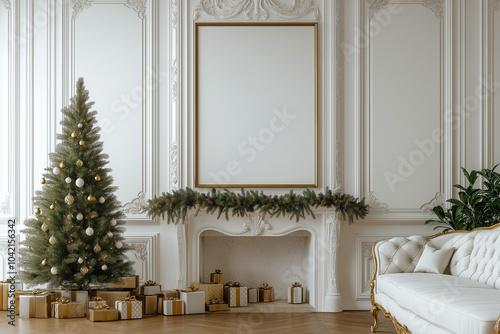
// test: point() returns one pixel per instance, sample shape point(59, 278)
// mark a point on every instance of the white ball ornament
point(119, 244)
point(56, 170)
point(52, 240)
point(79, 182)
point(110, 234)
point(53, 271)
point(104, 267)
point(101, 199)
point(80, 260)
point(69, 216)
point(79, 163)
point(112, 222)
point(69, 199)
point(79, 216)
point(80, 125)
point(68, 180)
point(89, 231)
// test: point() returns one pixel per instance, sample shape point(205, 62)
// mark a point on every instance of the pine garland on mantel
point(177, 203)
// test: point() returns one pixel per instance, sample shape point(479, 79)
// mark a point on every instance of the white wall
point(406, 96)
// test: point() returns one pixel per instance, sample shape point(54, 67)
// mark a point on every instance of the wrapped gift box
point(266, 293)
point(212, 290)
point(149, 304)
point(194, 301)
point(216, 277)
point(150, 288)
point(171, 293)
point(104, 314)
point(173, 307)
point(295, 295)
point(16, 298)
point(236, 296)
point(253, 295)
point(77, 296)
point(160, 304)
point(97, 302)
point(129, 282)
point(5, 288)
point(129, 308)
point(217, 307)
point(67, 310)
point(110, 297)
point(35, 306)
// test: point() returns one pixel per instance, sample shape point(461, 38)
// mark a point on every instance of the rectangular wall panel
point(405, 107)
point(496, 85)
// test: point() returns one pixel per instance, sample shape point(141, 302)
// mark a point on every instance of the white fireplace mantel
point(324, 294)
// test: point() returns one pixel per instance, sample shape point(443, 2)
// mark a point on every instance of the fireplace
point(313, 244)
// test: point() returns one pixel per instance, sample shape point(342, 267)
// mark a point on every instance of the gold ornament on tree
point(52, 240)
point(44, 262)
point(82, 142)
point(62, 165)
point(91, 198)
point(44, 227)
point(97, 248)
point(74, 134)
point(79, 163)
point(42, 181)
point(84, 270)
point(37, 211)
point(52, 206)
point(69, 199)
point(97, 178)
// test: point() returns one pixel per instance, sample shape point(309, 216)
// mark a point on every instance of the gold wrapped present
point(253, 295)
point(216, 277)
point(212, 290)
point(102, 313)
point(266, 293)
point(236, 296)
point(63, 308)
point(149, 304)
point(217, 305)
point(77, 296)
point(6, 288)
point(129, 308)
point(110, 297)
point(97, 302)
point(296, 294)
point(173, 306)
point(16, 298)
point(150, 288)
point(129, 282)
point(36, 304)
point(171, 293)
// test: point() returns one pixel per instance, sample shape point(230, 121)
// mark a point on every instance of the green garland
point(177, 203)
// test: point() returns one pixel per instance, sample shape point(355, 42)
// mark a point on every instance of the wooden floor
point(347, 322)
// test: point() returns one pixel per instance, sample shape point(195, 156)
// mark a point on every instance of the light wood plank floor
point(347, 322)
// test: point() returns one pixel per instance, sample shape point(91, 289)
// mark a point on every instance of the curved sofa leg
point(374, 313)
point(497, 326)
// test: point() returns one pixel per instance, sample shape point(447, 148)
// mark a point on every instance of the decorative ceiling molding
point(256, 225)
point(174, 173)
point(137, 205)
point(438, 200)
point(374, 6)
point(139, 6)
point(436, 6)
point(80, 5)
point(5, 205)
point(6, 3)
point(257, 9)
point(376, 206)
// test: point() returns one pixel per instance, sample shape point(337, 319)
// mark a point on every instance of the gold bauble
point(44, 262)
point(52, 240)
point(91, 198)
point(82, 142)
point(97, 178)
point(42, 181)
point(84, 270)
point(37, 211)
point(52, 206)
point(62, 165)
point(44, 227)
point(97, 248)
point(74, 134)
point(69, 199)
point(79, 163)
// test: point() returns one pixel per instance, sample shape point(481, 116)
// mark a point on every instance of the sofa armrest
point(398, 255)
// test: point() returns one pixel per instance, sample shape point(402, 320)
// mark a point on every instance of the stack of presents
point(130, 300)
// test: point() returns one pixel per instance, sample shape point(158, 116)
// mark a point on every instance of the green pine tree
point(75, 240)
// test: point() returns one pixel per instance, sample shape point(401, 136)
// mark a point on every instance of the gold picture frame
point(237, 143)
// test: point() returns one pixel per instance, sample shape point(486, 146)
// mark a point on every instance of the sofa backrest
point(399, 254)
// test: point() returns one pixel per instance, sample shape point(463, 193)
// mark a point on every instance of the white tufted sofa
point(464, 300)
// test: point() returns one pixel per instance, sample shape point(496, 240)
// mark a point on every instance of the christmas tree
point(75, 240)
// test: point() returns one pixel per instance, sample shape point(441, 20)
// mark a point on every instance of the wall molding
point(139, 6)
point(376, 206)
point(256, 225)
point(437, 200)
point(6, 3)
point(256, 9)
point(437, 6)
point(144, 252)
point(137, 205)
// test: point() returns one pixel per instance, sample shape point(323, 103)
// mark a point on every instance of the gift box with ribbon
point(16, 298)
point(35, 304)
point(129, 282)
point(212, 290)
point(171, 293)
point(235, 294)
point(217, 305)
point(266, 293)
point(194, 300)
point(7, 287)
point(296, 293)
point(62, 308)
point(173, 306)
point(129, 308)
point(102, 313)
point(110, 297)
point(216, 277)
point(253, 295)
point(96, 302)
point(149, 304)
point(150, 288)
point(77, 296)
